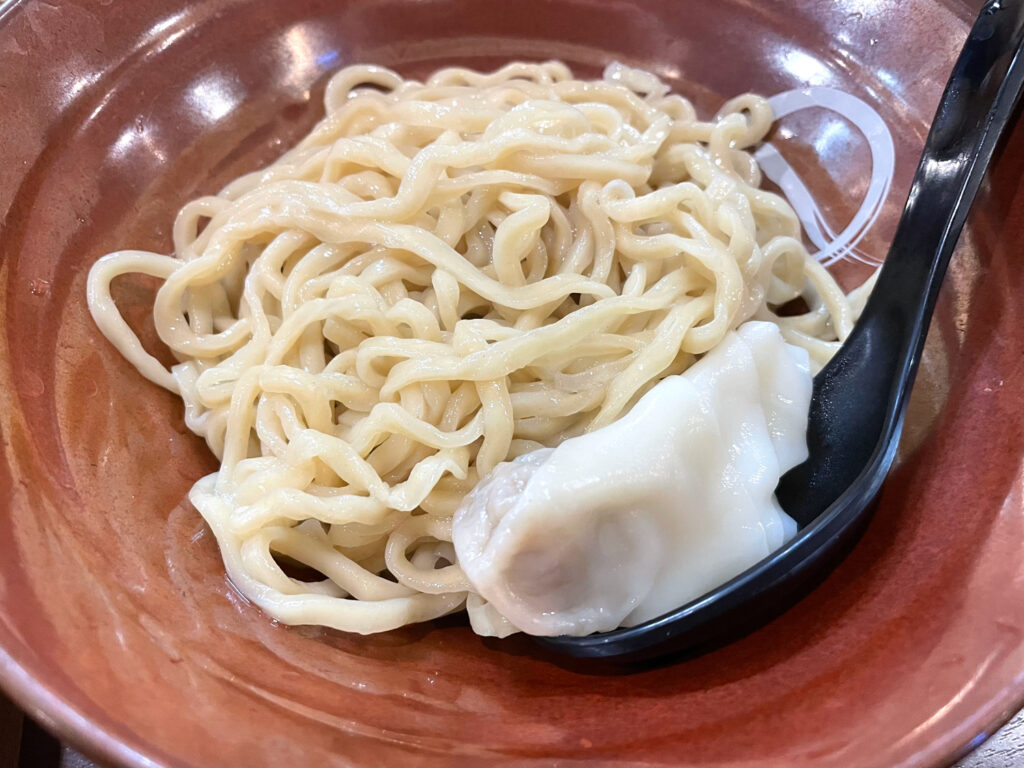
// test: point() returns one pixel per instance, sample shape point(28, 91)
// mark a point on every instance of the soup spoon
point(860, 398)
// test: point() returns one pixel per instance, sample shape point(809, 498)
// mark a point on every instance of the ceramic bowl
point(117, 627)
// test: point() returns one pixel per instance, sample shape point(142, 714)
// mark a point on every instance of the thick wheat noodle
point(442, 276)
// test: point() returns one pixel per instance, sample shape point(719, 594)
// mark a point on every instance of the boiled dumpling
point(637, 518)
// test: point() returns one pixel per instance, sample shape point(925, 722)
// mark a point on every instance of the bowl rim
point(23, 682)
point(65, 721)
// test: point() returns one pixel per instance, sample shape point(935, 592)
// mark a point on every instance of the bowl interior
point(117, 625)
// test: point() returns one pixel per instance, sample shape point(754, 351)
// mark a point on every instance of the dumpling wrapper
point(640, 517)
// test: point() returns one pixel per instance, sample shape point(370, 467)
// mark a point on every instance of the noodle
point(440, 277)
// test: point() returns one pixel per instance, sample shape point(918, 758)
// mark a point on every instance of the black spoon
point(860, 397)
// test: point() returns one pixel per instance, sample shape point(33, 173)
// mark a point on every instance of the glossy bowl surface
point(117, 627)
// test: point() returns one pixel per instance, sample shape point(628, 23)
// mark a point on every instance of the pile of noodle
point(442, 276)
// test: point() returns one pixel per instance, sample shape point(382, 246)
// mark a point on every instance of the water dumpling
point(641, 516)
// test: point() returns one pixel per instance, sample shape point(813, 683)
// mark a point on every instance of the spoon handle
point(860, 397)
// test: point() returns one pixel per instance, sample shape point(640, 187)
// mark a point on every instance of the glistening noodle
point(446, 276)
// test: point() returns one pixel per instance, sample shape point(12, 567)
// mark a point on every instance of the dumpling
point(635, 519)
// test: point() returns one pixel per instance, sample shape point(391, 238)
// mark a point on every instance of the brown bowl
point(117, 627)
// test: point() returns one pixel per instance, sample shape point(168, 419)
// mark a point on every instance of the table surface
point(23, 744)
